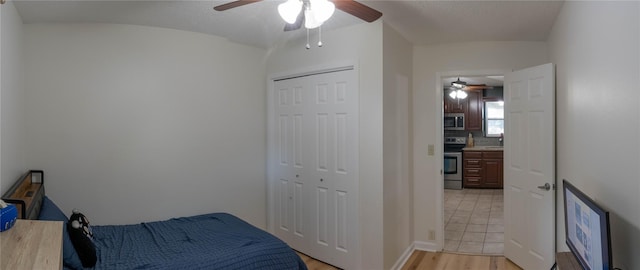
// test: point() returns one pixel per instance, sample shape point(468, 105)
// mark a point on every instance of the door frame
point(271, 140)
point(439, 147)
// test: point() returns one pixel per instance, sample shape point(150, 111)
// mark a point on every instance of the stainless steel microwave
point(454, 121)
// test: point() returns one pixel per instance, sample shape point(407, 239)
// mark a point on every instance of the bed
point(209, 241)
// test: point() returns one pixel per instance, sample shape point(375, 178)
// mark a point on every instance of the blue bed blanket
point(211, 241)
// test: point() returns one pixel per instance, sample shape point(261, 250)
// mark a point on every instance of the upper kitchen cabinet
point(452, 105)
point(471, 106)
point(473, 116)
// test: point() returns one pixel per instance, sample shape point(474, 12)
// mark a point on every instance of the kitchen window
point(494, 118)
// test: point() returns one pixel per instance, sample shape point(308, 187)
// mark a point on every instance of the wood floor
point(425, 260)
point(449, 261)
point(313, 264)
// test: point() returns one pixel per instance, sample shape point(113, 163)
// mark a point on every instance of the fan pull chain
point(308, 46)
point(320, 36)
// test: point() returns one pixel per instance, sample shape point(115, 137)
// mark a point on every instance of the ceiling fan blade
point(297, 24)
point(477, 87)
point(234, 4)
point(357, 9)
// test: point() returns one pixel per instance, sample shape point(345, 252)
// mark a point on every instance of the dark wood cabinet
point(454, 105)
point(473, 114)
point(493, 169)
point(471, 106)
point(483, 169)
point(472, 168)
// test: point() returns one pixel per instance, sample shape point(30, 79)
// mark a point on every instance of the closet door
point(317, 133)
point(292, 221)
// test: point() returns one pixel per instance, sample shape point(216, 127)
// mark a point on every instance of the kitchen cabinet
point(472, 169)
point(473, 114)
point(483, 169)
point(471, 106)
point(454, 105)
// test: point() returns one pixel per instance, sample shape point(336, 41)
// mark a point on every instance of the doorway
point(473, 210)
point(529, 166)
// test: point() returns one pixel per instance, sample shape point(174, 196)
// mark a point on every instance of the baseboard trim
point(416, 245)
point(426, 246)
point(404, 257)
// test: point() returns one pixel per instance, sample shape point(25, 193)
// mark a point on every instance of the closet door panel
point(318, 157)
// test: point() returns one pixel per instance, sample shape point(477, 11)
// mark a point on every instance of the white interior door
point(288, 176)
point(317, 170)
point(529, 172)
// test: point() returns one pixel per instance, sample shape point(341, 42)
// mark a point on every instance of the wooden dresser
point(32, 244)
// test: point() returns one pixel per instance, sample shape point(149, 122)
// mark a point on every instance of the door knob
point(545, 187)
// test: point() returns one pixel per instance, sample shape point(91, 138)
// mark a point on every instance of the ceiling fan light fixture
point(317, 12)
point(461, 94)
point(458, 83)
point(289, 10)
point(458, 94)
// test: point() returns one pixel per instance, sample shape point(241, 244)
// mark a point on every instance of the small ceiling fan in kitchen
point(312, 13)
point(459, 87)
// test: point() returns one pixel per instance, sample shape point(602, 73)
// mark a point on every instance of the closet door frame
point(273, 150)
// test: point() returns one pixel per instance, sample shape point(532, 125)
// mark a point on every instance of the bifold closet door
point(316, 173)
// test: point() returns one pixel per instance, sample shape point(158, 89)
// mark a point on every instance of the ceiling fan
point(462, 85)
point(299, 18)
point(477, 87)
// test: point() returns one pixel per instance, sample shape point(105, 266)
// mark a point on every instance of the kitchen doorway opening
point(472, 204)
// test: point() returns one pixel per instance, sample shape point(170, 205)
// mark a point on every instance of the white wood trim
point(439, 144)
point(315, 69)
point(404, 257)
point(314, 72)
point(272, 140)
point(426, 246)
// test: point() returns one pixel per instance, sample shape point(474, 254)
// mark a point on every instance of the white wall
point(361, 45)
point(12, 129)
point(428, 61)
point(134, 123)
point(598, 127)
point(397, 185)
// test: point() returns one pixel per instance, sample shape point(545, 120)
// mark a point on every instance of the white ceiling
point(258, 24)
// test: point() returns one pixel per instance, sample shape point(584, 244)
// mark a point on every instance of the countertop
point(484, 148)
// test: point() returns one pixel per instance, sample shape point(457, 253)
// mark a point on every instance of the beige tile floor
point(474, 221)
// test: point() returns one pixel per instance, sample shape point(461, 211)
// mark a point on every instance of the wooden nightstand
point(32, 244)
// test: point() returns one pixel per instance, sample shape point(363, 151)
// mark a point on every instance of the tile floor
point(474, 221)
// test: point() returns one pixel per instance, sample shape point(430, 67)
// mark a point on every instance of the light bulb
point(310, 21)
point(323, 9)
point(289, 10)
point(462, 94)
point(317, 13)
point(453, 94)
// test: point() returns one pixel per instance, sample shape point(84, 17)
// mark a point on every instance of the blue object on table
point(8, 216)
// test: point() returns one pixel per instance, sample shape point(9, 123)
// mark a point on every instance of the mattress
point(211, 241)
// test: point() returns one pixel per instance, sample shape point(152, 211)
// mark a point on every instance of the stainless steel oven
point(453, 121)
point(453, 162)
point(453, 170)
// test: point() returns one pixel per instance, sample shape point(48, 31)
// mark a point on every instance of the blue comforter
point(212, 241)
